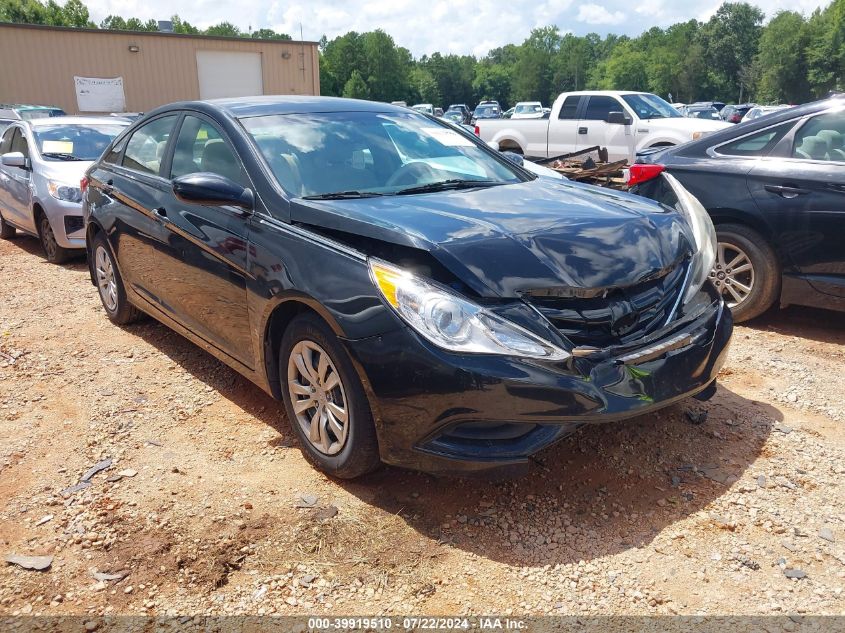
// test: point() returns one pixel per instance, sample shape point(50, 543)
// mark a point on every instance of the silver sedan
point(41, 165)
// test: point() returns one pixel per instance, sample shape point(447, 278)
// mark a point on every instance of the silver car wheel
point(317, 397)
point(106, 282)
point(732, 274)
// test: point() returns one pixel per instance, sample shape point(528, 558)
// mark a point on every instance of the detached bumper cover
point(451, 413)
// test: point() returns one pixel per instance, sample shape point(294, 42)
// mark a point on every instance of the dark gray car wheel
point(110, 284)
point(325, 402)
point(55, 254)
point(7, 231)
point(746, 271)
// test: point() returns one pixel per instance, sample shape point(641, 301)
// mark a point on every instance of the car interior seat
point(217, 158)
point(284, 163)
point(834, 144)
point(813, 147)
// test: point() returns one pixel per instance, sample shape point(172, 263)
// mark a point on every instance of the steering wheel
point(410, 174)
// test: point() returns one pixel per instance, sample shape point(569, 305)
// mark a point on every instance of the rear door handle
point(785, 191)
point(161, 212)
point(582, 130)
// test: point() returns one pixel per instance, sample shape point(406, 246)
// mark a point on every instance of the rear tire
point(745, 247)
point(54, 253)
point(7, 231)
point(325, 402)
point(110, 284)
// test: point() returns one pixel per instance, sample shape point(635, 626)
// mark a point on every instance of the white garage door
point(227, 74)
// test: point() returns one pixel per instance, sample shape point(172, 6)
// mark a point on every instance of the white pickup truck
point(623, 122)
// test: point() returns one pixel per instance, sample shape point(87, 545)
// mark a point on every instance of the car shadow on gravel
point(606, 489)
point(822, 326)
point(31, 245)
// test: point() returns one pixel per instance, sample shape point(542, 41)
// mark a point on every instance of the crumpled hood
point(503, 241)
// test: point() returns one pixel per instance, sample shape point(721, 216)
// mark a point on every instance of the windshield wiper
point(445, 185)
point(343, 195)
point(61, 156)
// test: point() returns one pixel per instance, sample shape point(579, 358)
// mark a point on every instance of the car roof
point(78, 120)
point(282, 104)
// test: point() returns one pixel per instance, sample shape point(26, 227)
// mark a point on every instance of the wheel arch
point(279, 317)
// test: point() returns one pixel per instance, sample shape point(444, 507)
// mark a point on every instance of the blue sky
point(425, 26)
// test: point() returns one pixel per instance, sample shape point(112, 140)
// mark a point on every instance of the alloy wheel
point(318, 397)
point(106, 282)
point(732, 274)
point(48, 240)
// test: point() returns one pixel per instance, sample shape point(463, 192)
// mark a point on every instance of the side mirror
point(618, 118)
point(515, 158)
point(494, 145)
point(15, 159)
point(214, 190)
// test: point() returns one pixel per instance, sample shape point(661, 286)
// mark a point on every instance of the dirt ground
point(208, 506)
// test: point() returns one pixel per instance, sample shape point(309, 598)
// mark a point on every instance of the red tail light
point(735, 118)
point(83, 184)
point(643, 173)
point(477, 131)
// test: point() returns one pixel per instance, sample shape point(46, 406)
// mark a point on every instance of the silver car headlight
point(61, 191)
point(703, 235)
point(452, 322)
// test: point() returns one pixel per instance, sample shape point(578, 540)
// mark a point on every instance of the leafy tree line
point(731, 57)
point(75, 13)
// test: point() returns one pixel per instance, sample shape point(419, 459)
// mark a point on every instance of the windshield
point(372, 153)
point(648, 106)
point(74, 141)
point(40, 113)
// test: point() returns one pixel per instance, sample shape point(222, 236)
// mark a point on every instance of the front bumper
point(456, 414)
point(66, 220)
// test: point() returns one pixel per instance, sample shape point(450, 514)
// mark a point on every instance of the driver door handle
point(785, 191)
point(161, 212)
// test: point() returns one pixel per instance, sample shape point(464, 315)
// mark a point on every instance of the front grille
point(621, 316)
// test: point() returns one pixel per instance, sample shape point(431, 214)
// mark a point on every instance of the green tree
point(356, 87)
point(731, 38)
point(269, 34)
point(825, 52)
point(182, 26)
point(224, 29)
point(533, 74)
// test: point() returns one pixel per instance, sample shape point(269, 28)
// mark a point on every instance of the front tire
point(55, 254)
point(746, 271)
point(110, 284)
point(325, 402)
point(7, 231)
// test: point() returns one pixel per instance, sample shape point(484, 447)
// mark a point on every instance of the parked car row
point(410, 294)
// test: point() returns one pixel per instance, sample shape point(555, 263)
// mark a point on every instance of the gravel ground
point(207, 507)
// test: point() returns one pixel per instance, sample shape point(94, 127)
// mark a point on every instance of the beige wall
point(37, 65)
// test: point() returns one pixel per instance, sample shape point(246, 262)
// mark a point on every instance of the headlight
point(452, 322)
point(703, 234)
point(60, 191)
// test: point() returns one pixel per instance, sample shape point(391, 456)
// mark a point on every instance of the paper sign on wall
point(97, 94)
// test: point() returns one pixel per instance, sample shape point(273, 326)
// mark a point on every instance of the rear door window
point(146, 147)
point(821, 138)
point(569, 109)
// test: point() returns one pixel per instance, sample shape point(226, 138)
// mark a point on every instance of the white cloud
point(449, 26)
point(595, 14)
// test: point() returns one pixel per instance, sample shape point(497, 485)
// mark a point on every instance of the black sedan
point(411, 295)
point(775, 188)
